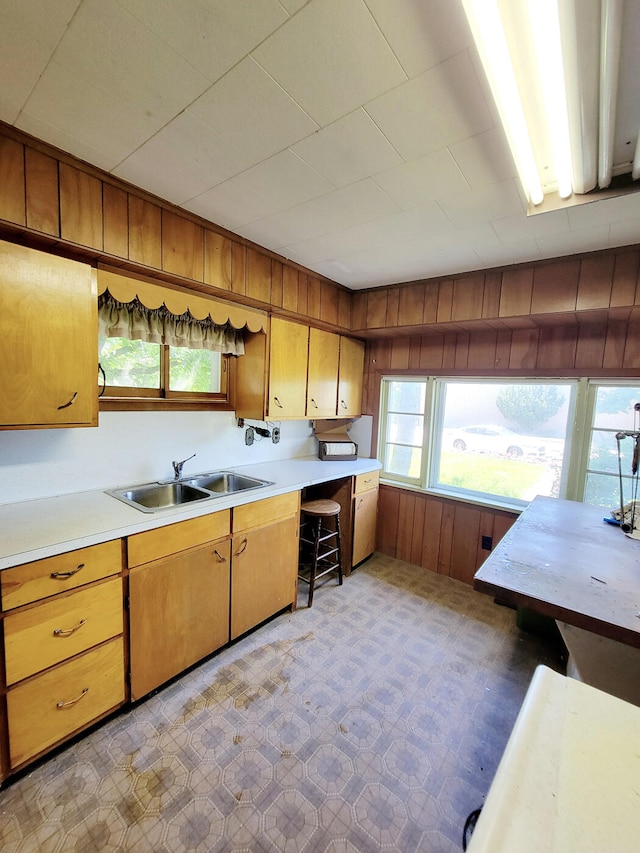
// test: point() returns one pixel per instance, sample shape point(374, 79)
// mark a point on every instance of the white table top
point(569, 779)
point(32, 530)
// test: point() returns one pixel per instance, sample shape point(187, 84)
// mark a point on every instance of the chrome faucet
point(178, 466)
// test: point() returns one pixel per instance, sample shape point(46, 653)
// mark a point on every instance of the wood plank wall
point(443, 536)
point(446, 535)
point(48, 194)
point(580, 288)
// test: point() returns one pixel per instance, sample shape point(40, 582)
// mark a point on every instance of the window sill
point(503, 506)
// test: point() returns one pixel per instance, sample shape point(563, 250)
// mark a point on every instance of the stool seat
point(319, 542)
point(322, 507)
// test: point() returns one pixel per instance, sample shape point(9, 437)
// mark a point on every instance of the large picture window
point(503, 442)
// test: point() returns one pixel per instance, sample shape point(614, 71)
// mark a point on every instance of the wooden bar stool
point(319, 543)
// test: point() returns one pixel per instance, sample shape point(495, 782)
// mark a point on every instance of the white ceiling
point(356, 137)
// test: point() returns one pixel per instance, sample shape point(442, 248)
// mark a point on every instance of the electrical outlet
point(487, 543)
point(249, 436)
point(275, 435)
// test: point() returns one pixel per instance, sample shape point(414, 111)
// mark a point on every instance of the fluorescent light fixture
point(553, 67)
point(488, 33)
point(611, 28)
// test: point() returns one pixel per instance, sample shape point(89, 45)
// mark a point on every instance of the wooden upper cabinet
point(182, 246)
point(322, 385)
point(350, 377)
point(48, 340)
point(287, 370)
point(80, 207)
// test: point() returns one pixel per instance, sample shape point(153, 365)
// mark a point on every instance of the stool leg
point(339, 549)
point(314, 561)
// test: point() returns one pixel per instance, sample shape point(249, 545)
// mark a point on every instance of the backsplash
point(133, 447)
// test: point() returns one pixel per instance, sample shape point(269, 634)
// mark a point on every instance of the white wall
point(135, 447)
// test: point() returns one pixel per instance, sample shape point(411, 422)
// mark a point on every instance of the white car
point(496, 440)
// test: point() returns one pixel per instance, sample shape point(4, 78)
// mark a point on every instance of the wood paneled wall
point(446, 535)
point(45, 193)
point(443, 536)
point(589, 288)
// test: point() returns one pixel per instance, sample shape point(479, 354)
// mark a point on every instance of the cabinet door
point(322, 384)
point(48, 340)
point(179, 613)
point(350, 378)
point(364, 525)
point(264, 573)
point(288, 369)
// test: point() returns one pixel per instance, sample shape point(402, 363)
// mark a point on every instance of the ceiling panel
point(29, 35)
point(348, 150)
point(331, 57)
point(225, 30)
point(252, 112)
point(357, 137)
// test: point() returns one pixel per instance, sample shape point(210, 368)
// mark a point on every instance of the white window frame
point(578, 439)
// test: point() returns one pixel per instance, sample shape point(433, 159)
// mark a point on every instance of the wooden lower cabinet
point(49, 707)
point(264, 573)
point(178, 613)
point(365, 511)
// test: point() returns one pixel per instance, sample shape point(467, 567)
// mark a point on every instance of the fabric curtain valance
point(135, 321)
point(126, 288)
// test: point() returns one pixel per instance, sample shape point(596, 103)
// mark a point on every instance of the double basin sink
point(152, 497)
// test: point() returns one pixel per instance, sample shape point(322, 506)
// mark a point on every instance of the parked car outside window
point(496, 440)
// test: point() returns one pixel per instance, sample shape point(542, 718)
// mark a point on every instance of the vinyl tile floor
point(373, 721)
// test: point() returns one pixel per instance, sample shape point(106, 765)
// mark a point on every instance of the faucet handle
point(178, 466)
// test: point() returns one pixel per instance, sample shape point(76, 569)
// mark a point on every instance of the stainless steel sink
point(156, 496)
point(225, 482)
point(152, 497)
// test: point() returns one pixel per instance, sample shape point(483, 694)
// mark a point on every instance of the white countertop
point(32, 530)
point(569, 779)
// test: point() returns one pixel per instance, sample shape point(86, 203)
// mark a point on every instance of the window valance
point(141, 310)
point(125, 288)
point(136, 322)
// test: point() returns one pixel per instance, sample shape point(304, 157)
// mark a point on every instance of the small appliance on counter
point(334, 442)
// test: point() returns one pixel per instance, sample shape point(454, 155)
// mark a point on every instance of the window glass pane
point(407, 397)
point(131, 364)
point(195, 370)
point(404, 428)
point(503, 439)
point(613, 413)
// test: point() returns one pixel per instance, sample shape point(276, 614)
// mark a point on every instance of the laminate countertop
point(33, 530)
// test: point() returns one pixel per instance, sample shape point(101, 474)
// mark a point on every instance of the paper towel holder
point(334, 443)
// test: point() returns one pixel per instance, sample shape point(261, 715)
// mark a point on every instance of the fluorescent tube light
point(486, 26)
point(609, 66)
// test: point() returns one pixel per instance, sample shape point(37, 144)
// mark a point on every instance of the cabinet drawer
point(155, 544)
point(365, 482)
point(51, 632)
point(33, 581)
point(264, 512)
point(51, 706)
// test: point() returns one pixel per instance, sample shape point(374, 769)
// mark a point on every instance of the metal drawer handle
point(64, 575)
point(242, 548)
point(67, 632)
point(343, 404)
point(221, 559)
point(314, 402)
point(72, 702)
point(71, 401)
point(278, 403)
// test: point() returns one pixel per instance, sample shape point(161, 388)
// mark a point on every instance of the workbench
point(562, 560)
